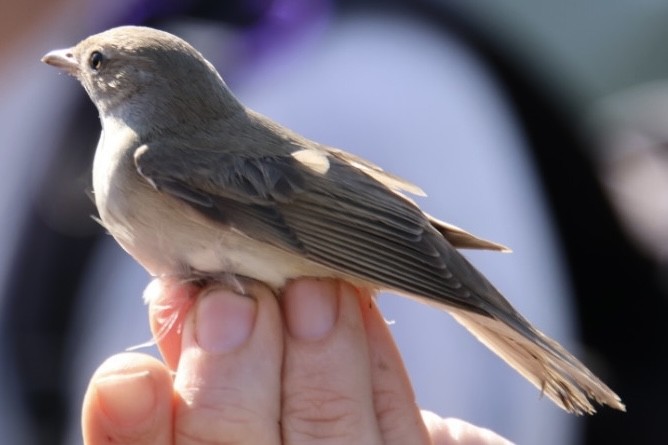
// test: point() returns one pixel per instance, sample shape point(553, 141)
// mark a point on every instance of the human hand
point(324, 371)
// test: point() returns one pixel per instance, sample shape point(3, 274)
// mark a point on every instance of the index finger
point(169, 302)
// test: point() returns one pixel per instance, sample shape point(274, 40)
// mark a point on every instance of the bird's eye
point(95, 60)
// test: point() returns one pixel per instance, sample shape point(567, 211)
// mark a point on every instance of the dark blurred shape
point(231, 12)
point(631, 129)
point(58, 238)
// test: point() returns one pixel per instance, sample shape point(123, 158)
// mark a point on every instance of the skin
point(316, 367)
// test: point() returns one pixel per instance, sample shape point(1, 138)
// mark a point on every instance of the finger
point(169, 301)
point(129, 401)
point(326, 379)
point(457, 432)
point(228, 377)
point(398, 415)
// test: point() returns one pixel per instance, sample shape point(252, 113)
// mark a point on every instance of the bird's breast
point(170, 238)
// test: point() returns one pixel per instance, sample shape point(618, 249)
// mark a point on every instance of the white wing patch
point(314, 160)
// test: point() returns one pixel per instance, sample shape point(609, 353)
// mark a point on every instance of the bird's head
point(149, 79)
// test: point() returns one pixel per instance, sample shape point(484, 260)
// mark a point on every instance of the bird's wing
point(319, 206)
point(326, 209)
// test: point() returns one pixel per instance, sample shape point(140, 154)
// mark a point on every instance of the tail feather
point(542, 361)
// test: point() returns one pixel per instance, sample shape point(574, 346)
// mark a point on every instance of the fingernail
point(224, 320)
point(127, 399)
point(310, 308)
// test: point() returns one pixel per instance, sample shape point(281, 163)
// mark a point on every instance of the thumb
point(129, 401)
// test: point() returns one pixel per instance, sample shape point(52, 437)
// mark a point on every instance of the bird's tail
point(543, 361)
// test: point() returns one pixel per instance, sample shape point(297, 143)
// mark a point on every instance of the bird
point(195, 185)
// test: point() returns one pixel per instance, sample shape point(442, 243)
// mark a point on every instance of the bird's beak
point(63, 59)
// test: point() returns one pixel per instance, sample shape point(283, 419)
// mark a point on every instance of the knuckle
point(317, 414)
point(387, 403)
point(214, 416)
point(126, 436)
point(391, 412)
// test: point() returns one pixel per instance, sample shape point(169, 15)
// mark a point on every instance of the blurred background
point(540, 125)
